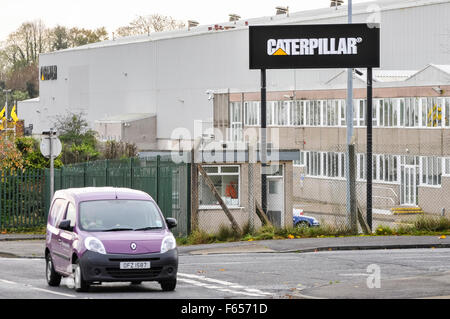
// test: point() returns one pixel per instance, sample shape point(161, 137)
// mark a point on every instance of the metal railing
point(25, 195)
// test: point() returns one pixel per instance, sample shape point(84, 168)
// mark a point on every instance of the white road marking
point(35, 288)
point(200, 284)
point(194, 279)
point(53, 292)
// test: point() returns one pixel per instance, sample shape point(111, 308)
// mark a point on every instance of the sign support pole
point(52, 168)
point(369, 148)
point(351, 196)
point(263, 149)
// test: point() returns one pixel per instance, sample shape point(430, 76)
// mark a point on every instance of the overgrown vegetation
point(423, 225)
point(22, 153)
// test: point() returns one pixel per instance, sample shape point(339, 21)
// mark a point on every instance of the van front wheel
point(168, 285)
point(80, 284)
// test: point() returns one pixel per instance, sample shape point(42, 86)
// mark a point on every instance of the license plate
point(135, 265)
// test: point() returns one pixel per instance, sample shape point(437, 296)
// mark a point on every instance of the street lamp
point(6, 105)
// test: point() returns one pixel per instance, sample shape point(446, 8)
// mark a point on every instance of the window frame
point(219, 173)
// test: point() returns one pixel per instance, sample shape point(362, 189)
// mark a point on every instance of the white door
point(409, 185)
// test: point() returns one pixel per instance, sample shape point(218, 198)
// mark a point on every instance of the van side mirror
point(65, 225)
point(171, 222)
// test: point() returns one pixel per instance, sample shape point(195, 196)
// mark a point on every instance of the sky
point(113, 14)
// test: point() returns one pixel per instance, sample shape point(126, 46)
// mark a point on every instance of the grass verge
point(38, 230)
point(422, 226)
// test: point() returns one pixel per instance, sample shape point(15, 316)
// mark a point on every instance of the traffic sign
point(45, 146)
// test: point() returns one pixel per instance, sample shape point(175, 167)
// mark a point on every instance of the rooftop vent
point(282, 10)
point(192, 24)
point(234, 17)
point(336, 3)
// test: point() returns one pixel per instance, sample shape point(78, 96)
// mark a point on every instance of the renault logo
point(133, 246)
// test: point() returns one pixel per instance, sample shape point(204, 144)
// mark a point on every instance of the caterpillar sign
point(314, 46)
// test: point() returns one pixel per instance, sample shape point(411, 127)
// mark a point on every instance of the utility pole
point(263, 150)
point(52, 149)
point(52, 167)
point(351, 196)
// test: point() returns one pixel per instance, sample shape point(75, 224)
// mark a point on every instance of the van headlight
point(95, 245)
point(168, 243)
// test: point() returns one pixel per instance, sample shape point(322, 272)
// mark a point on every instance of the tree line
point(19, 52)
point(79, 144)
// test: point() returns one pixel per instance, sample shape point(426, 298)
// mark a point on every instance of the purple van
point(109, 235)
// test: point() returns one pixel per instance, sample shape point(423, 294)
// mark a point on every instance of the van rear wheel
point(53, 278)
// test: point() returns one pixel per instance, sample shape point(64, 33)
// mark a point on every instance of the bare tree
point(149, 24)
point(25, 44)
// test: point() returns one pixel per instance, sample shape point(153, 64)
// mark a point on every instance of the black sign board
point(314, 46)
point(49, 72)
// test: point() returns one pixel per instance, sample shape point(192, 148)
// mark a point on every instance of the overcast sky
point(113, 14)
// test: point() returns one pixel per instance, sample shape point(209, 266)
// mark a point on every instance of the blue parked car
point(301, 220)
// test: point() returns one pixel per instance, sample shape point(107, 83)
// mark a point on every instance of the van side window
point(57, 211)
point(71, 214)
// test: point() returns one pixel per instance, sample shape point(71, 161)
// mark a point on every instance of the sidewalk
point(32, 246)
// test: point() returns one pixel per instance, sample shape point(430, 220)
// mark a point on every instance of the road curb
point(372, 247)
point(21, 237)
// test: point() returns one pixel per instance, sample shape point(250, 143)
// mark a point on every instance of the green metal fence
point(25, 196)
point(22, 203)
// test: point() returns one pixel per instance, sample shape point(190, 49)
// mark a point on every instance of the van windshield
point(118, 215)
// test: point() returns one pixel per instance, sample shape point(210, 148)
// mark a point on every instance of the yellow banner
point(14, 114)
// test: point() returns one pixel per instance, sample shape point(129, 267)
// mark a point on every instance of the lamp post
point(6, 104)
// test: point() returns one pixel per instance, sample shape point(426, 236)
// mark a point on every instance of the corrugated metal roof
point(292, 18)
point(443, 68)
point(127, 117)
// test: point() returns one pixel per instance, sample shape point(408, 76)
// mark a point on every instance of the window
point(388, 113)
point(330, 112)
point(58, 209)
point(252, 113)
point(374, 167)
point(362, 112)
point(307, 113)
point(331, 164)
point(431, 112)
point(301, 160)
point(446, 166)
point(71, 214)
point(278, 112)
point(446, 102)
point(361, 166)
point(385, 168)
point(431, 167)
point(325, 164)
point(296, 113)
point(101, 215)
point(316, 112)
point(236, 121)
point(282, 111)
point(313, 164)
point(343, 113)
point(226, 182)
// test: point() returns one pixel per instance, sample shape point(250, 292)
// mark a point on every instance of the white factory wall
point(170, 76)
